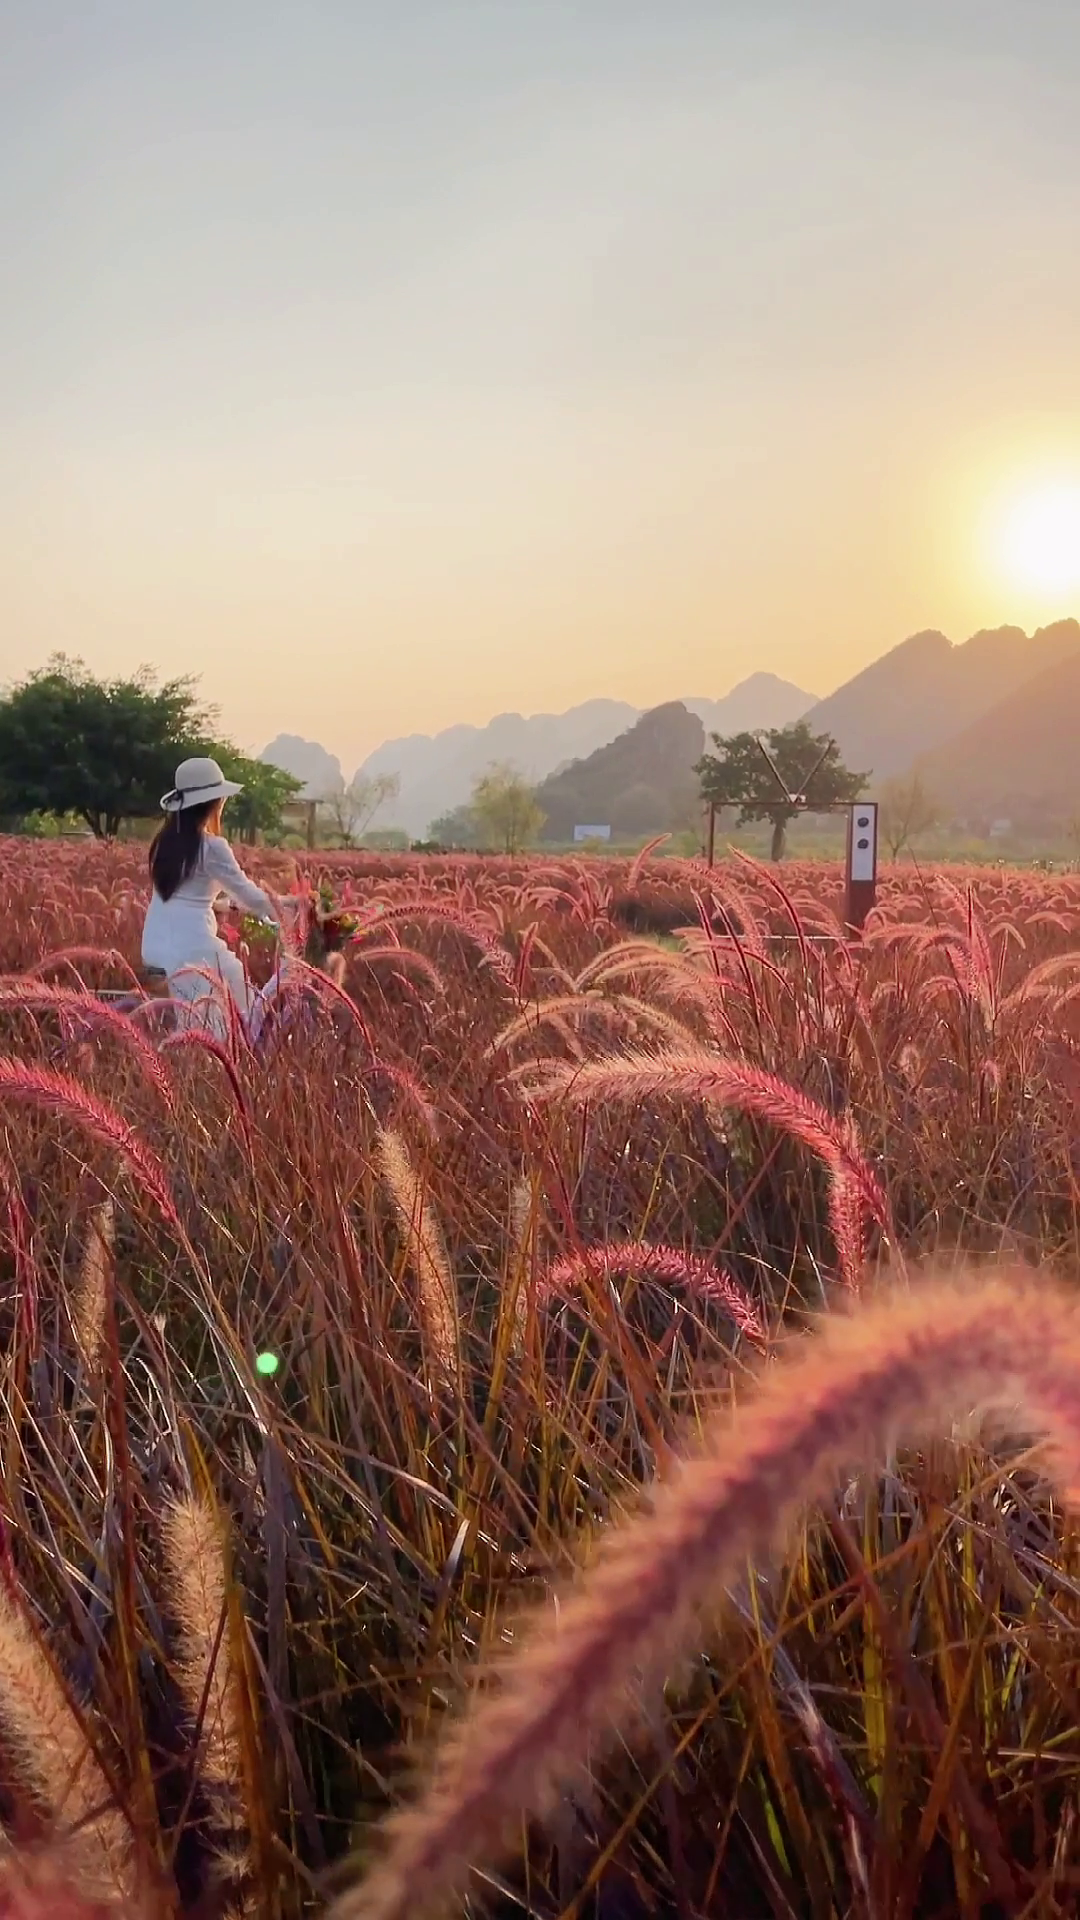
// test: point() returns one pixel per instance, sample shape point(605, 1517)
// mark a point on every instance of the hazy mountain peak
point(925, 690)
point(306, 760)
point(763, 700)
point(642, 782)
point(1017, 761)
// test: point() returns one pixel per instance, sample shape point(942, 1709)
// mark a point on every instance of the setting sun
point(1041, 540)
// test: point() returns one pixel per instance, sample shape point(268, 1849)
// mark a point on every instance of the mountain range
point(437, 771)
point(1019, 761)
point(991, 723)
point(916, 697)
point(641, 783)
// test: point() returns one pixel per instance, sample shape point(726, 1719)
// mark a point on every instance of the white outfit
point(180, 934)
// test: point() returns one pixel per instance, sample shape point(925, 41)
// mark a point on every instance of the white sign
point(592, 833)
point(864, 840)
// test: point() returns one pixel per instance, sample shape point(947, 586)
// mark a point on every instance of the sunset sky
point(396, 364)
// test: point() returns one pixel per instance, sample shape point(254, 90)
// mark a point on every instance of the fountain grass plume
point(494, 954)
point(298, 975)
point(669, 1265)
point(408, 959)
point(619, 1007)
point(523, 1237)
point(702, 1075)
point(767, 878)
point(37, 996)
point(657, 1019)
point(90, 1297)
point(194, 1540)
point(525, 1025)
point(637, 864)
point(426, 1250)
point(38, 1885)
point(49, 1756)
point(408, 1087)
point(58, 1093)
point(74, 957)
point(904, 1363)
point(628, 957)
point(197, 1039)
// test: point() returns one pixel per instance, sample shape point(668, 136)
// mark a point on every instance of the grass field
point(319, 1367)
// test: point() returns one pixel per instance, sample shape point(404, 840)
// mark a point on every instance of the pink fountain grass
point(672, 1267)
point(425, 1245)
point(392, 1509)
point(496, 955)
point(632, 1078)
point(902, 1365)
point(406, 959)
point(622, 1009)
point(637, 864)
point(57, 1093)
point(39, 1886)
point(406, 1085)
point(37, 997)
point(197, 1040)
point(75, 957)
point(21, 1238)
point(300, 976)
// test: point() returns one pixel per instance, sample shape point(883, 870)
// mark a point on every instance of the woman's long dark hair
point(174, 851)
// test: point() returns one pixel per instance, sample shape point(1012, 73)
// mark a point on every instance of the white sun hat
point(196, 782)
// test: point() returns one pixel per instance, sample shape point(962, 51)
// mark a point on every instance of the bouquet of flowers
point(329, 925)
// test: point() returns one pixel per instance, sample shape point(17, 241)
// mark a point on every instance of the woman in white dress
point(191, 866)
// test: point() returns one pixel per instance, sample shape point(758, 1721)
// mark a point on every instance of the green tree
point(459, 828)
point(505, 809)
point(810, 770)
point(104, 750)
point(266, 792)
point(906, 809)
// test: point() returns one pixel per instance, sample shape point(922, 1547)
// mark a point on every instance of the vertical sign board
point(860, 890)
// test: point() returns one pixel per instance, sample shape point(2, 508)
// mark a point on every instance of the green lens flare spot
point(267, 1364)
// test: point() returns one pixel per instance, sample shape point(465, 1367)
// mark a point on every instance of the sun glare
point(1041, 540)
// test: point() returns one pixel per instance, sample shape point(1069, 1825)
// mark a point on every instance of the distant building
point(591, 833)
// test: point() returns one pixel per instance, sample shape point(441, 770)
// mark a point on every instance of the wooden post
point(710, 845)
point(860, 877)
